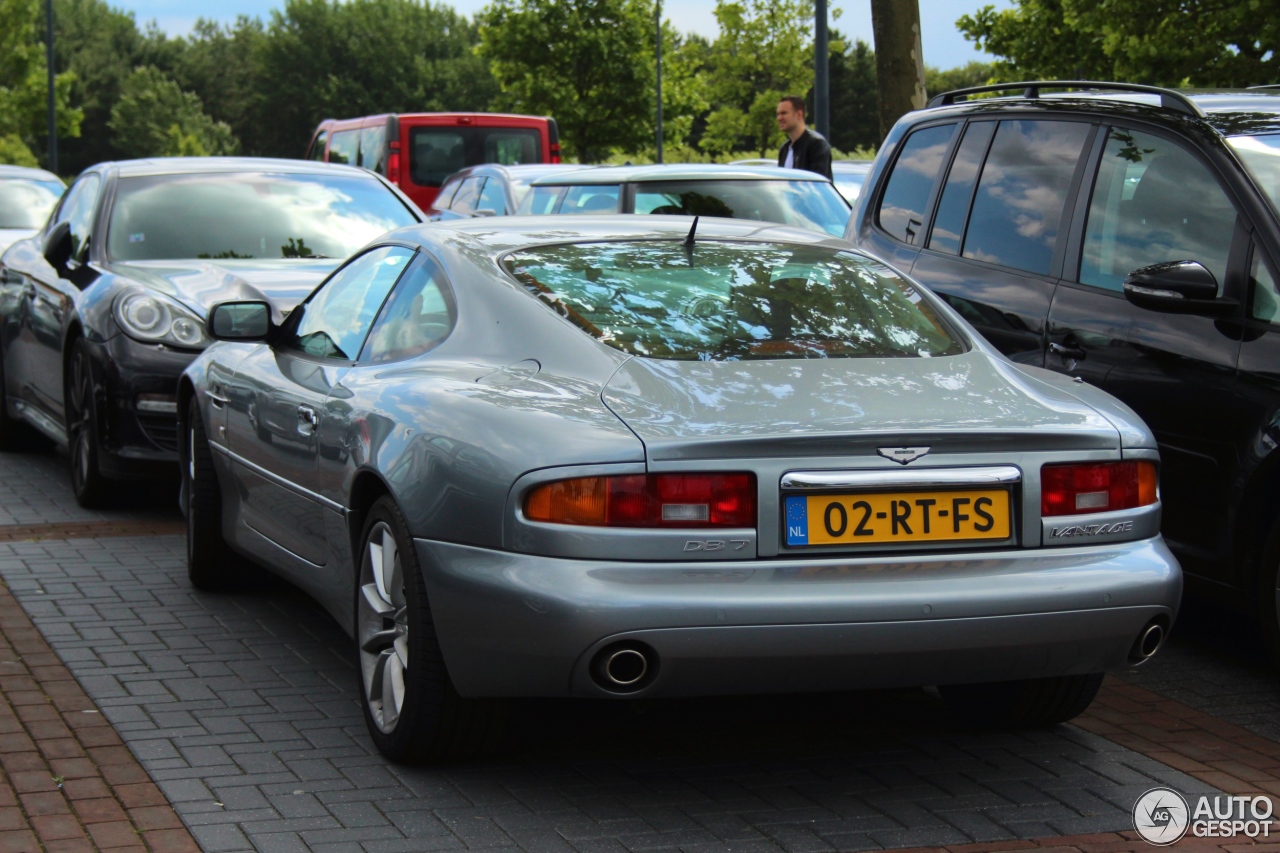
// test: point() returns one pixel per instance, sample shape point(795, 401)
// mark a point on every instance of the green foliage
point(763, 53)
point(1208, 43)
point(325, 59)
point(937, 81)
point(855, 118)
point(588, 63)
point(155, 118)
point(219, 66)
point(24, 86)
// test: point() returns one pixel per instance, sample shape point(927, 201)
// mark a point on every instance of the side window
point(445, 197)
point(317, 148)
point(1152, 202)
point(418, 316)
point(468, 194)
point(1264, 299)
point(492, 197)
point(82, 200)
point(373, 148)
point(540, 200)
point(906, 193)
point(335, 320)
point(435, 153)
point(591, 199)
point(1022, 192)
point(948, 223)
point(345, 147)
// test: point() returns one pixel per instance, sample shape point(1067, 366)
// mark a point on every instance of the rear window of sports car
point(726, 301)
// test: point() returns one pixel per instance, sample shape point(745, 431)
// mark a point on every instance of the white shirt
point(791, 157)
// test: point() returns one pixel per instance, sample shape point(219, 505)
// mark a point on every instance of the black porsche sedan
point(102, 310)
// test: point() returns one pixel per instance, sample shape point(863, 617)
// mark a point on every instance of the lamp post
point(821, 71)
point(48, 47)
point(657, 23)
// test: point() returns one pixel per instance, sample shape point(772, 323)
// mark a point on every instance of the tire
point(87, 483)
point(1031, 703)
point(212, 565)
point(1267, 607)
point(413, 712)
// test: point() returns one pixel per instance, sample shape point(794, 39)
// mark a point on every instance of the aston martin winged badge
point(902, 455)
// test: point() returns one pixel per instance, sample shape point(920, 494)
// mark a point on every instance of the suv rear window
point(902, 207)
point(725, 301)
point(435, 153)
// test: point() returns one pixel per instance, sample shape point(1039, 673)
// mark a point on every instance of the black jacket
point(812, 153)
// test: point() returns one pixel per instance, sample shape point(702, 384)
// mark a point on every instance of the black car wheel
point(212, 565)
point(413, 712)
point(1030, 703)
point(87, 482)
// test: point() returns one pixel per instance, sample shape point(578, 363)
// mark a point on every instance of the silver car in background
point(619, 457)
point(27, 197)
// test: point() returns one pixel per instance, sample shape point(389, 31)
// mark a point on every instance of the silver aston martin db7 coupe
point(642, 457)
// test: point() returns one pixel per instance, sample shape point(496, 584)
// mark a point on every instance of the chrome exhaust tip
point(624, 667)
point(1149, 641)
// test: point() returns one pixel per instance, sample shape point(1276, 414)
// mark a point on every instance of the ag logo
point(1161, 816)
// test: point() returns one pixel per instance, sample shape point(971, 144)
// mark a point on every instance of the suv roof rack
point(1169, 98)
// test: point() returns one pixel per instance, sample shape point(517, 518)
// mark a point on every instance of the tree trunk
point(899, 59)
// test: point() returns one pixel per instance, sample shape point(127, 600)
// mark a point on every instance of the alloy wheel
point(383, 615)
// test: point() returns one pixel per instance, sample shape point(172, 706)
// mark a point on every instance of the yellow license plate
point(867, 519)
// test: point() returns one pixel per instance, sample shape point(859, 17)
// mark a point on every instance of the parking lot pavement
point(243, 709)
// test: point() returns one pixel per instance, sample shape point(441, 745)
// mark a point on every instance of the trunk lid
point(687, 410)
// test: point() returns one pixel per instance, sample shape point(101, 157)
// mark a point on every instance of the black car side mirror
point(57, 245)
point(1178, 287)
point(239, 321)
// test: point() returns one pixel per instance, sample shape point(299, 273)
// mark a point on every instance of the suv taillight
point(647, 500)
point(1087, 487)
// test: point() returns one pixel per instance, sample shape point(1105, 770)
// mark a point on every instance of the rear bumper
point(520, 625)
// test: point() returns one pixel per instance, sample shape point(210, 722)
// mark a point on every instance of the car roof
point(678, 172)
point(25, 173)
point(497, 235)
point(1228, 112)
point(523, 171)
point(860, 166)
point(201, 165)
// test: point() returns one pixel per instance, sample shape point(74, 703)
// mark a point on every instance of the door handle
point(1065, 351)
point(307, 420)
point(215, 396)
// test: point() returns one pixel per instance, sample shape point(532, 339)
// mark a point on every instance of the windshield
point(808, 204)
point(1261, 156)
point(25, 203)
point(250, 215)
point(849, 184)
point(723, 301)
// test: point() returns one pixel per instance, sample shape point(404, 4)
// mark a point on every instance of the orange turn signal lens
point(647, 500)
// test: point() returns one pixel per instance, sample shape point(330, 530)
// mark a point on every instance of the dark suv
point(1031, 214)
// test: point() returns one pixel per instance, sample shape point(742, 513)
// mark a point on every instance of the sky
point(944, 47)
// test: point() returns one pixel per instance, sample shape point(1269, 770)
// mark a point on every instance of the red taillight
point(647, 500)
point(555, 152)
point(393, 167)
point(1080, 488)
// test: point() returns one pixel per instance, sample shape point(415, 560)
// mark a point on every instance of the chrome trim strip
point(995, 475)
point(42, 422)
point(278, 480)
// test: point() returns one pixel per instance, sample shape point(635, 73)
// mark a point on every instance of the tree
point(24, 87)
point(899, 59)
point(588, 63)
point(155, 118)
point(327, 59)
point(100, 46)
point(855, 118)
point(762, 54)
point(220, 66)
point(970, 74)
point(1212, 43)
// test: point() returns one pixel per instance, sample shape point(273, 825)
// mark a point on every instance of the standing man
point(804, 148)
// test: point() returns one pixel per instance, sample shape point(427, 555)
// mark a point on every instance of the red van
point(417, 151)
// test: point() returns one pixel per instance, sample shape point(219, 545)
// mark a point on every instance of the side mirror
point(239, 321)
point(1177, 287)
point(57, 244)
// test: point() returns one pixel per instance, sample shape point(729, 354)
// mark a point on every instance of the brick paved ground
point(243, 710)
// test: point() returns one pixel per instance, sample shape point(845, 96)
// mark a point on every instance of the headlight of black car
point(155, 319)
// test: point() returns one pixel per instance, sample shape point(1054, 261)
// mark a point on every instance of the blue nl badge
point(797, 518)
